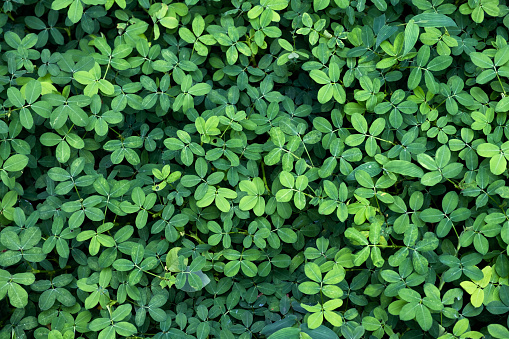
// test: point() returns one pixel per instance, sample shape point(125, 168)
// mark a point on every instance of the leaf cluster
point(254, 169)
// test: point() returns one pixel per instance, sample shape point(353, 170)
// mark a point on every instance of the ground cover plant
point(254, 169)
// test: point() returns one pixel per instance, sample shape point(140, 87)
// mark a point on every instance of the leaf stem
point(107, 68)
point(265, 178)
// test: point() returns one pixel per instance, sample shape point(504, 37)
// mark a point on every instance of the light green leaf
point(200, 89)
point(319, 77)
point(286, 179)
point(359, 123)
point(313, 272)
point(498, 164)
point(356, 237)
point(481, 60)
point(60, 4)
point(75, 11)
point(318, 5)
point(315, 320)
point(439, 63)
point(431, 178)
point(488, 150)
point(364, 179)
point(83, 77)
point(325, 93)
point(15, 163)
point(503, 104)
point(106, 87)
point(169, 22)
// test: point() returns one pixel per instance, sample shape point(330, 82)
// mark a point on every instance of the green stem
point(500, 81)
point(377, 138)
point(265, 178)
point(120, 135)
point(306, 194)
point(306, 149)
point(195, 238)
point(107, 69)
point(387, 246)
point(51, 272)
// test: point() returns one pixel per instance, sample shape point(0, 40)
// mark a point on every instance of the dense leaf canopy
point(254, 169)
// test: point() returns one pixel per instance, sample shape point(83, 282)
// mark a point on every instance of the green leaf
point(325, 93)
point(334, 276)
point(364, 179)
point(33, 90)
point(15, 163)
point(404, 168)
point(198, 25)
point(481, 60)
point(106, 87)
point(18, 297)
point(232, 268)
point(410, 295)
point(478, 15)
point(319, 332)
point(24, 278)
point(411, 36)
point(498, 164)
point(503, 104)
point(248, 268)
point(439, 63)
point(286, 179)
point(488, 150)
point(443, 155)
point(381, 5)
point(315, 320)
point(121, 312)
point(60, 4)
point(75, 11)
point(169, 22)
point(15, 96)
point(10, 240)
point(318, 5)
point(370, 323)
point(301, 183)
point(107, 333)
point(313, 272)
point(433, 20)
point(502, 56)
point(356, 237)
point(423, 317)
point(498, 331)
point(200, 89)
point(125, 329)
point(84, 78)
point(286, 333)
point(431, 178)
point(359, 123)
point(319, 77)
point(277, 137)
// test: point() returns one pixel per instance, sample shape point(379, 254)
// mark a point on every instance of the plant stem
point(264, 177)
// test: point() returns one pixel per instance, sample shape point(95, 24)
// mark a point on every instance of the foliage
point(254, 169)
